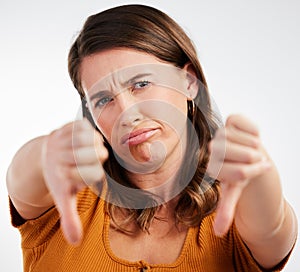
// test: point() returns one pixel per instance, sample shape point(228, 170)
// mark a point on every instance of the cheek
point(169, 105)
point(176, 100)
point(172, 116)
point(182, 107)
point(106, 129)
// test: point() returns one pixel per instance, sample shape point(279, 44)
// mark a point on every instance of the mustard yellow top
point(45, 249)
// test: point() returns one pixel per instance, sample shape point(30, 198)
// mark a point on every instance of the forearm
point(25, 181)
point(261, 206)
point(265, 220)
point(251, 193)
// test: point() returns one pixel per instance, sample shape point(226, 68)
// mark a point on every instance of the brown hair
point(149, 30)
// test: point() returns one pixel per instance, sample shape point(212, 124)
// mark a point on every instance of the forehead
point(101, 64)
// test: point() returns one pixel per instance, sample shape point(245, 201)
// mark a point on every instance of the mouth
point(138, 136)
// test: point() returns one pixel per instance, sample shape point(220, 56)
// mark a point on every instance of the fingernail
point(75, 241)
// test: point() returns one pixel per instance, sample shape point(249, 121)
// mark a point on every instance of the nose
point(130, 111)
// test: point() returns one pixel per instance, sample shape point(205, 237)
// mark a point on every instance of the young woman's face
point(139, 104)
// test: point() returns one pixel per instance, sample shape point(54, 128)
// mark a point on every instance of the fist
point(236, 158)
point(72, 159)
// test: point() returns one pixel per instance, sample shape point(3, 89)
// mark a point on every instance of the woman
point(153, 165)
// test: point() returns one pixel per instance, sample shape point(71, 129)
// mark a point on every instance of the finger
point(85, 138)
point(75, 134)
point(80, 176)
point(75, 126)
point(82, 156)
point(226, 150)
point(83, 124)
point(232, 155)
point(238, 172)
point(81, 139)
point(242, 154)
point(241, 137)
point(70, 220)
point(226, 208)
point(242, 123)
point(90, 174)
point(82, 130)
point(90, 155)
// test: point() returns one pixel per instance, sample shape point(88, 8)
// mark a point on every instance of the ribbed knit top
point(45, 249)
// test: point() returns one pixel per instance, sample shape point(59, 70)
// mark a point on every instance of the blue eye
point(103, 101)
point(141, 84)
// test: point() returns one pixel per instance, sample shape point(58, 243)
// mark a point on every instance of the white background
point(250, 52)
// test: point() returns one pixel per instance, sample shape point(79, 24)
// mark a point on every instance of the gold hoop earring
point(191, 108)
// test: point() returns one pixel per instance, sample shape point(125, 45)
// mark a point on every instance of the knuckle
point(85, 123)
point(52, 138)
point(70, 173)
point(65, 130)
point(77, 140)
point(104, 154)
point(101, 150)
point(255, 142)
point(241, 173)
point(231, 119)
point(250, 157)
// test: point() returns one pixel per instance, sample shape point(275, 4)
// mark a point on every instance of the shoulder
point(37, 231)
point(230, 248)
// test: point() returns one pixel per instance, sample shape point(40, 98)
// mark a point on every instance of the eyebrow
point(133, 79)
point(126, 83)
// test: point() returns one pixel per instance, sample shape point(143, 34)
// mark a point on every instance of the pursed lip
point(138, 135)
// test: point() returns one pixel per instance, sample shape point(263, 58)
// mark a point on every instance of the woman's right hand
point(72, 159)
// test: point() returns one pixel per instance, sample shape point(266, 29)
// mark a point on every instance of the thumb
point(226, 208)
point(70, 220)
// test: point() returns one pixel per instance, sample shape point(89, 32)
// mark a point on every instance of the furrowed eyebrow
point(133, 79)
point(98, 94)
point(126, 83)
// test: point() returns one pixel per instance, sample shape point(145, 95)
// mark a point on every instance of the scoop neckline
point(138, 263)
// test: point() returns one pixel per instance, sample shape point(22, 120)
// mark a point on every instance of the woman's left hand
point(236, 159)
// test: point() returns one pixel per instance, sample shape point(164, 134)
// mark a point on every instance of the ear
point(192, 81)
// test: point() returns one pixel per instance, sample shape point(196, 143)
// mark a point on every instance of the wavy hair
point(151, 31)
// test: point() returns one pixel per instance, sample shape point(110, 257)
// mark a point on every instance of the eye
point(141, 85)
point(103, 101)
